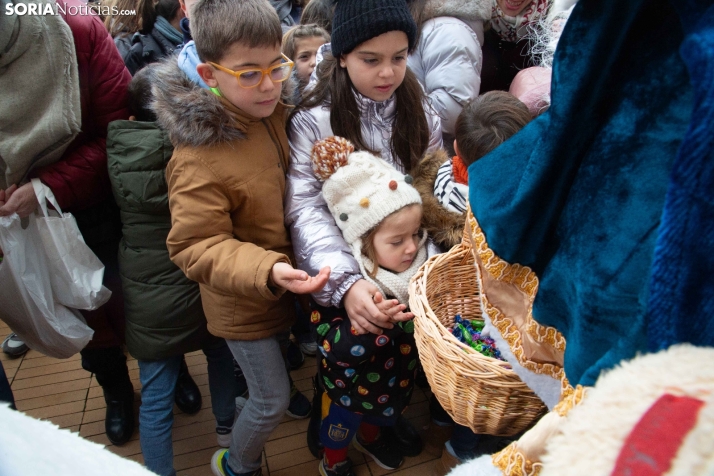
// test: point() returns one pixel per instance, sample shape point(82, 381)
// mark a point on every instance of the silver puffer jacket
point(317, 240)
point(448, 59)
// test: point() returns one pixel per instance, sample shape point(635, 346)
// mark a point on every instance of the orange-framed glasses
point(250, 78)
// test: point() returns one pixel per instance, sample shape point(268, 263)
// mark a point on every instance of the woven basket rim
point(429, 264)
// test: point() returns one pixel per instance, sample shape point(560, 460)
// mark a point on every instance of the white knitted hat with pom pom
point(360, 189)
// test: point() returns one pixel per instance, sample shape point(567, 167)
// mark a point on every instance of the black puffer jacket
point(138, 50)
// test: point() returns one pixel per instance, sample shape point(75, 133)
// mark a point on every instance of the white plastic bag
point(76, 274)
point(26, 298)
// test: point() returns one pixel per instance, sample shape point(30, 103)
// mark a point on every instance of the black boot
point(313, 427)
point(109, 366)
point(403, 437)
point(187, 395)
point(119, 422)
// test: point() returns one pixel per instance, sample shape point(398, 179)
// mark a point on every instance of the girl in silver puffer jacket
point(365, 93)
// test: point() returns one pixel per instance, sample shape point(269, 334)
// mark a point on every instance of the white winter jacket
point(317, 240)
point(448, 59)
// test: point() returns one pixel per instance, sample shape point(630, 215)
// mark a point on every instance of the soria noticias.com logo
point(22, 9)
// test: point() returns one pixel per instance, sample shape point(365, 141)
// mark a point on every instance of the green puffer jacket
point(164, 316)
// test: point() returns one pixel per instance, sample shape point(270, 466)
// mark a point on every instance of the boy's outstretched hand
point(297, 281)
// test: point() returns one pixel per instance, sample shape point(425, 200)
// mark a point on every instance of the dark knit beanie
point(357, 21)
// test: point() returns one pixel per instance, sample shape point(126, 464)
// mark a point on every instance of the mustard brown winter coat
point(226, 183)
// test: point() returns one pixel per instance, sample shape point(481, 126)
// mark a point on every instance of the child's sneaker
point(14, 346)
point(343, 468)
point(300, 406)
point(403, 437)
point(309, 347)
point(219, 466)
point(380, 452)
point(224, 436)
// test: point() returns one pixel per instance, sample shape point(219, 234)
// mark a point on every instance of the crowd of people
point(250, 169)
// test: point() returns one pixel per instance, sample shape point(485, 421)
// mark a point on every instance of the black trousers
point(5, 390)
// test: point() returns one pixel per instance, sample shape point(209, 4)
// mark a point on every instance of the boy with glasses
point(226, 182)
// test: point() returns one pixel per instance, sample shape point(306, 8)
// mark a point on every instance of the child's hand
point(364, 314)
point(392, 308)
point(297, 281)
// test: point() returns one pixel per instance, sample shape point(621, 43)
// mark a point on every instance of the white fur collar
point(467, 10)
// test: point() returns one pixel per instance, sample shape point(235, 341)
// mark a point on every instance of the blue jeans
point(269, 396)
point(156, 418)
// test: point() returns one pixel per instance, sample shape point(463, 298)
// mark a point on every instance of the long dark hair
point(410, 131)
point(143, 21)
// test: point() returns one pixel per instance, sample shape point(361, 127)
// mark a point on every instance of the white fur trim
point(592, 436)
point(481, 466)
point(29, 446)
point(546, 387)
point(468, 10)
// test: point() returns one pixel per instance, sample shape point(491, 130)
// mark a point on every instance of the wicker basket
point(480, 392)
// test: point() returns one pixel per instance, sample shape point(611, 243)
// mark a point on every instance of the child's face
point(259, 101)
point(305, 52)
point(396, 240)
point(377, 66)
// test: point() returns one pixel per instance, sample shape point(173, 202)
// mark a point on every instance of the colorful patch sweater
point(368, 374)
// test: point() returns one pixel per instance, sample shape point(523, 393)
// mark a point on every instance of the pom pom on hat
point(330, 154)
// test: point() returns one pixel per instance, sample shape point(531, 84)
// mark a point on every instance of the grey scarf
point(388, 282)
point(40, 111)
point(168, 30)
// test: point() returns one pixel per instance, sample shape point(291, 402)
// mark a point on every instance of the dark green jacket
point(164, 316)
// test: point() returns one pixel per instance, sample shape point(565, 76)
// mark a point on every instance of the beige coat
point(226, 183)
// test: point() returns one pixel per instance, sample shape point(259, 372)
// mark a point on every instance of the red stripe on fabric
point(655, 440)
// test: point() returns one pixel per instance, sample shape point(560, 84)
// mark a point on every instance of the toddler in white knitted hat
point(378, 211)
point(369, 378)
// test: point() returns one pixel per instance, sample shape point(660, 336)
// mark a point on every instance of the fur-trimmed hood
point(445, 227)
point(194, 116)
point(466, 10)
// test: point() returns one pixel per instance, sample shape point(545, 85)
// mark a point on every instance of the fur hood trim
point(445, 227)
point(191, 115)
point(467, 10)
